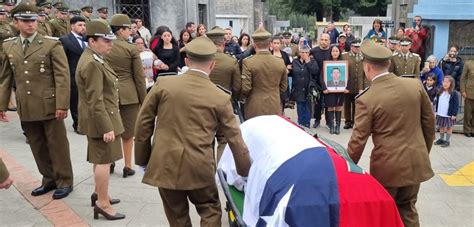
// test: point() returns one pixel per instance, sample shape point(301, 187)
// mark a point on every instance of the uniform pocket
point(49, 101)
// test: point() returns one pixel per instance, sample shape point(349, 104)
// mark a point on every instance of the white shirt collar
point(380, 75)
point(198, 70)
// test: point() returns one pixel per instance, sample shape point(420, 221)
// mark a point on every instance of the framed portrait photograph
point(336, 75)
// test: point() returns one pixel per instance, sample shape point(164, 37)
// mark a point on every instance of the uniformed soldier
point(99, 115)
point(8, 6)
point(402, 136)
point(188, 109)
point(6, 31)
point(125, 59)
point(394, 44)
point(39, 66)
point(60, 25)
point(74, 12)
point(287, 46)
point(44, 28)
point(103, 14)
point(47, 7)
point(467, 92)
point(86, 12)
point(356, 81)
point(405, 63)
point(226, 73)
point(264, 78)
point(54, 10)
point(5, 179)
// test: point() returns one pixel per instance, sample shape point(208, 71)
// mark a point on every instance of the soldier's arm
point(145, 126)
point(427, 118)
point(138, 75)
point(62, 79)
point(392, 66)
point(94, 85)
point(284, 79)
point(361, 132)
point(6, 78)
point(236, 80)
point(246, 80)
point(232, 133)
point(463, 80)
point(417, 67)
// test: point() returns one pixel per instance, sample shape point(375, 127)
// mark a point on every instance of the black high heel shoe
point(128, 172)
point(94, 198)
point(112, 167)
point(98, 210)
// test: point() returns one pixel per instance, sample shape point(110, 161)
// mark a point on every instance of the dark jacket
point(432, 93)
point(73, 52)
point(233, 49)
point(305, 76)
point(453, 103)
point(170, 57)
point(453, 69)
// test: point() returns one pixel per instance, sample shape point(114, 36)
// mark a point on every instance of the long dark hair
point(248, 37)
point(337, 47)
point(173, 40)
point(377, 21)
point(181, 42)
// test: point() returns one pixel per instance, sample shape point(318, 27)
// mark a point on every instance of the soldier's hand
point(109, 137)
point(464, 95)
point(3, 116)
point(7, 183)
point(61, 114)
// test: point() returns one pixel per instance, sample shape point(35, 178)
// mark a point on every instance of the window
point(135, 9)
point(202, 9)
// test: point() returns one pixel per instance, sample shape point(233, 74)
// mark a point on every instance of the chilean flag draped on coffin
point(296, 180)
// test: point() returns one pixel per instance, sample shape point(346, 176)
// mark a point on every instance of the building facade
point(242, 15)
point(154, 13)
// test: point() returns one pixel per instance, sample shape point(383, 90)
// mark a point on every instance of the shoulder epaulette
point(224, 89)
point(395, 54)
point(416, 54)
point(10, 39)
point(365, 90)
point(51, 37)
point(97, 58)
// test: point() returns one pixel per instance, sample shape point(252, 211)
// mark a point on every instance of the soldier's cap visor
point(106, 36)
point(26, 16)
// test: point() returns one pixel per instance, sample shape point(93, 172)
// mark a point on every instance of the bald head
point(324, 41)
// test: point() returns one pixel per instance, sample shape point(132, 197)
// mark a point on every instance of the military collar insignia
point(97, 58)
point(51, 37)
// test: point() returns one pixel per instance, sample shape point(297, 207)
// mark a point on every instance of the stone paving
point(439, 204)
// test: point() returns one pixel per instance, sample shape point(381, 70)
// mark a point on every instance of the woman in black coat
point(306, 81)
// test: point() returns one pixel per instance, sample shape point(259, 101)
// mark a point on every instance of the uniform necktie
point(26, 44)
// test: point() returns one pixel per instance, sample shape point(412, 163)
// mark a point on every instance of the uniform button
point(26, 72)
point(112, 112)
point(26, 62)
point(28, 92)
point(27, 81)
point(52, 95)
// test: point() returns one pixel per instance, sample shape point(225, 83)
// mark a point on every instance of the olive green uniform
point(97, 85)
point(42, 79)
point(405, 64)
point(356, 83)
point(44, 28)
point(125, 60)
point(59, 27)
point(467, 85)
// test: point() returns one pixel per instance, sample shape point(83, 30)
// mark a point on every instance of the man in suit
point(226, 73)
point(264, 78)
point(60, 24)
point(39, 66)
point(188, 109)
point(74, 45)
point(405, 63)
point(5, 180)
point(467, 92)
point(356, 81)
point(402, 136)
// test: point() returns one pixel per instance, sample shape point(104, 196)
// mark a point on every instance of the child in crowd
point(447, 105)
point(430, 87)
